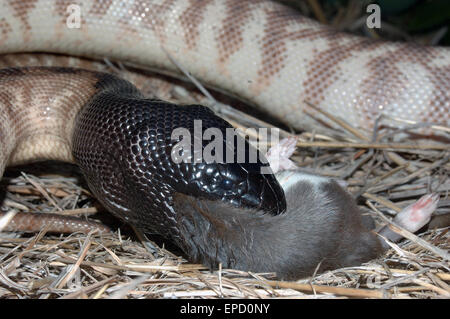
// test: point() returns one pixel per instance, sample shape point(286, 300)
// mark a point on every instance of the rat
point(322, 228)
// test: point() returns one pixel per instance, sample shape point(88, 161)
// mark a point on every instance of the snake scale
point(259, 51)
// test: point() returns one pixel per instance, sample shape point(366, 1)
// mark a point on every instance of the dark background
point(422, 21)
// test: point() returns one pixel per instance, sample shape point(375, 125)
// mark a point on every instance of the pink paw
point(278, 155)
point(418, 214)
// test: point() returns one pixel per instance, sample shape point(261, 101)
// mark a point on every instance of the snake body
point(258, 50)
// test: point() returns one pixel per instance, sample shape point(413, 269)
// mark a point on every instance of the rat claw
point(427, 201)
point(418, 214)
point(288, 145)
point(278, 155)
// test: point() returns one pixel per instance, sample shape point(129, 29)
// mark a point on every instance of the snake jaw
point(256, 190)
point(238, 184)
point(273, 198)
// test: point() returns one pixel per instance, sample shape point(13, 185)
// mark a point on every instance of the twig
point(391, 146)
point(349, 292)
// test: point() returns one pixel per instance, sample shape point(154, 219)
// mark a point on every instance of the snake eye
point(227, 184)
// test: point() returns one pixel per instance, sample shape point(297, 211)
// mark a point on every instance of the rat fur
point(321, 229)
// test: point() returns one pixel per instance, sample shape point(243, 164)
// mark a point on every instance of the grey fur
point(322, 225)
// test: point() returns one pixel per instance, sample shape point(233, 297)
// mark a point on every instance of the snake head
point(244, 179)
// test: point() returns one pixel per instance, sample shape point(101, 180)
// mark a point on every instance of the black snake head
point(240, 175)
point(125, 146)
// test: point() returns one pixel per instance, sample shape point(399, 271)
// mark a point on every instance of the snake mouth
point(272, 195)
point(264, 193)
point(243, 185)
